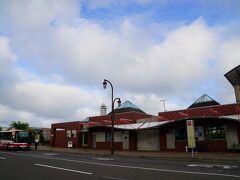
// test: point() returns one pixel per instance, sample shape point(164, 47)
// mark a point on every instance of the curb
point(163, 156)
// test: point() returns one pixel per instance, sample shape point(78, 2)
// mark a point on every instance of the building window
point(74, 133)
point(69, 133)
point(108, 136)
point(181, 134)
point(216, 132)
point(199, 133)
point(100, 136)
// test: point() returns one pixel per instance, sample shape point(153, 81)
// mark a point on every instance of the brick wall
point(59, 134)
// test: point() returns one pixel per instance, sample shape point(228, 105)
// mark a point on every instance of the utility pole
point(164, 103)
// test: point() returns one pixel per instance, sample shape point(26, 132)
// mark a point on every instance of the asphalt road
point(44, 165)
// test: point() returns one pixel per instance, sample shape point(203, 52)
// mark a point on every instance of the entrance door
point(94, 141)
point(170, 140)
point(84, 139)
point(125, 140)
point(231, 138)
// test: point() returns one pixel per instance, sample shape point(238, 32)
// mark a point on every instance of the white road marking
point(50, 154)
point(109, 177)
point(129, 167)
point(103, 159)
point(64, 169)
point(2, 158)
point(212, 165)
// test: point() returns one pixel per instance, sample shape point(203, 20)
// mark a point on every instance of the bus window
point(5, 136)
point(23, 137)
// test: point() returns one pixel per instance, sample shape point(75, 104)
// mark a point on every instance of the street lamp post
point(112, 113)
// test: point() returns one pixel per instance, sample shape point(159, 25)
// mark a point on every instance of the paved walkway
point(223, 156)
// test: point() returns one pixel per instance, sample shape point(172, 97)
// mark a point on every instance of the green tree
point(19, 125)
point(0, 128)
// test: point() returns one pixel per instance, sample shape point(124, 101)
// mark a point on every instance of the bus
point(15, 139)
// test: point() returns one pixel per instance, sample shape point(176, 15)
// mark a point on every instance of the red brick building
point(80, 133)
point(66, 134)
point(217, 128)
point(205, 125)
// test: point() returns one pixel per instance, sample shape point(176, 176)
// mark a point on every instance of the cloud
point(229, 54)
point(7, 60)
point(53, 61)
point(26, 97)
point(127, 54)
point(8, 115)
point(7, 57)
point(35, 14)
point(48, 99)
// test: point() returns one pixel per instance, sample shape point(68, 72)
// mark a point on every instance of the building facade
point(203, 126)
point(216, 128)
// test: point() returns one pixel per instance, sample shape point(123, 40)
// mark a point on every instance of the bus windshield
point(23, 137)
point(5, 136)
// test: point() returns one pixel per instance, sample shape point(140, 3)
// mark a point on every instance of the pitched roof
point(127, 106)
point(233, 76)
point(204, 100)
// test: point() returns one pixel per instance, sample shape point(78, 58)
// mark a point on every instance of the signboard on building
point(199, 133)
point(191, 134)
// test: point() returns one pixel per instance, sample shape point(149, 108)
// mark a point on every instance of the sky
point(54, 56)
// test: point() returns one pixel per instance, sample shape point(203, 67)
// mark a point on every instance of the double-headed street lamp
point(112, 113)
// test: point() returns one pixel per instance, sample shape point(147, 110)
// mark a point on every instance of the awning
point(144, 125)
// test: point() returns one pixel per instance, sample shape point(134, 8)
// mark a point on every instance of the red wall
point(207, 145)
point(107, 145)
point(238, 134)
point(127, 115)
point(163, 140)
point(132, 141)
point(59, 137)
point(217, 146)
point(61, 140)
point(209, 111)
point(181, 145)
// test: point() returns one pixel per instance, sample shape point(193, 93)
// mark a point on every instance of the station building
point(205, 125)
point(80, 133)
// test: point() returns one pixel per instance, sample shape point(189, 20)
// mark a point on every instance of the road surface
point(46, 165)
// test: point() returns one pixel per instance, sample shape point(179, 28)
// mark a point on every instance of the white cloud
point(152, 103)
point(49, 100)
point(6, 56)
point(36, 13)
point(229, 54)
point(7, 60)
point(53, 73)
point(184, 53)
point(7, 115)
point(89, 48)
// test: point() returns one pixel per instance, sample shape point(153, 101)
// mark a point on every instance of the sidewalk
point(216, 156)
